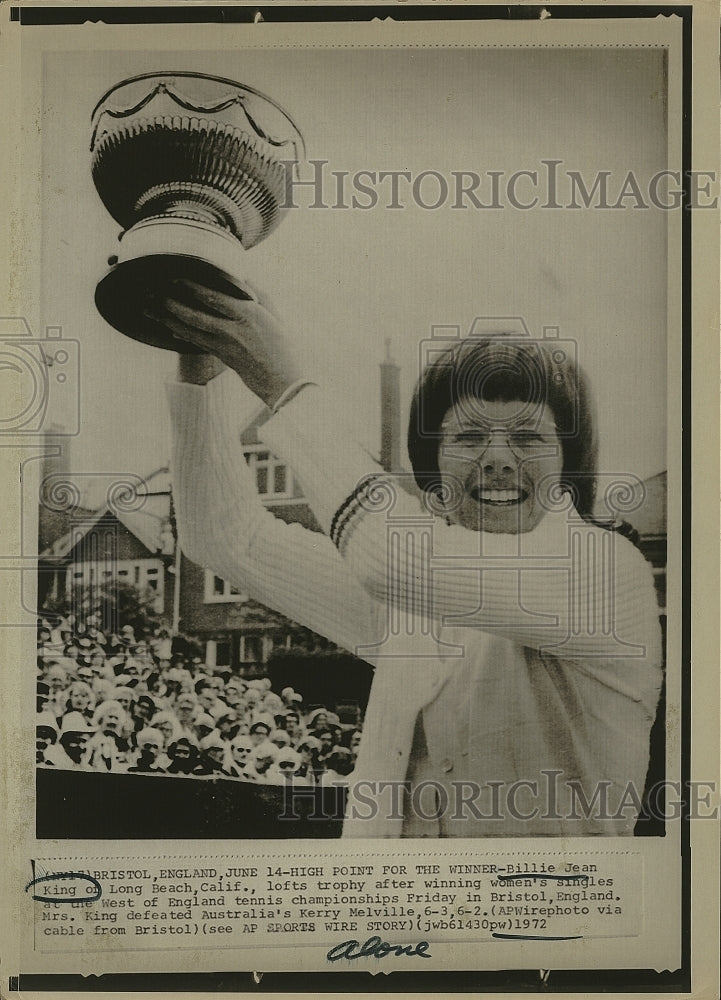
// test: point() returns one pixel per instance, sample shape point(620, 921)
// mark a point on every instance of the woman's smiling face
point(499, 461)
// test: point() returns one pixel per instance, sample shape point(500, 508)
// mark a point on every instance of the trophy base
point(123, 293)
point(154, 252)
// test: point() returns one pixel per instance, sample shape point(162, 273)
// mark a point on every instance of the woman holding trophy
point(518, 697)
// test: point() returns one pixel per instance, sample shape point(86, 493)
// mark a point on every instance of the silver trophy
point(196, 169)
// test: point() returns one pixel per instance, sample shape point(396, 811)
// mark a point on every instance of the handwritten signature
point(375, 948)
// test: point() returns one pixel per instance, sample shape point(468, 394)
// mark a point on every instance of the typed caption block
point(227, 902)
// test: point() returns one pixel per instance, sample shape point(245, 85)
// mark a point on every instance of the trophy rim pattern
point(251, 218)
point(299, 140)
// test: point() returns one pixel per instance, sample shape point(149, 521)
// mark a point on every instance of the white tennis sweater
point(532, 660)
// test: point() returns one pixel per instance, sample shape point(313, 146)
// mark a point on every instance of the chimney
point(390, 413)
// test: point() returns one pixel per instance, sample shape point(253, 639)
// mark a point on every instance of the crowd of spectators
point(130, 703)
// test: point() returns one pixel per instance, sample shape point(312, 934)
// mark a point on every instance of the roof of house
point(147, 518)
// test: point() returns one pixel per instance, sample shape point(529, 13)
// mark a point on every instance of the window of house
point(273, 478)
point(220, 591)
point(251, 649)
point(223, 653)
point(218, 652)
point(145, 574)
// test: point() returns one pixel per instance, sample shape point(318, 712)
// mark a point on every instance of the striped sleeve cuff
point(352, 505)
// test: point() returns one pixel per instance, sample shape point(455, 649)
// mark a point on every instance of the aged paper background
point(33, 248)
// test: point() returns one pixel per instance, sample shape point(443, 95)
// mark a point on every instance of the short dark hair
point(498, 368)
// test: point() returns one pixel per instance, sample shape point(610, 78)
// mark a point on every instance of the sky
point(348, 280)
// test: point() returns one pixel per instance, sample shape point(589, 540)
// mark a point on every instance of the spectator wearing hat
point(72, 750)
point(103, 690)
point(227, 724)
point(284, 771)
point(234, 692)
point(280, 739)
point(131, 669)
point(336, 731)
point(71, 652)
point(187, 683)
point(183, 754)
point(99, 666)
point(143, 711)
point(196, 665)
point(208, 697)
point(212, 756)
point(260, 730)
point(238, 756)
point(127, 635)
point(96, 637)
point(57, 679)
point(80, 698)
point(46, 649)
point(338, 766)
point(308, 750)
point(93, 632)
point(186, 710)
point(150, 746)
point(156, 686)
point(290, 698)
point(216, 681)
point(167, 722)
point(262, 759)
point(354, 740)
point(204, 725)
point(42, 698)
point(168, 726)
point(111, 717)
point(117, 645)
point(116, 656)
point(60, 632)
point(291, 721)
point(109, 747)
point(45, 736)
point(126, 697)
point(261, 716)
point(83, 671)
point(149, 752)
point(326, 737)
point(272, 704)
point(141, 652)
point(174, 683)
point(45, 718)
point(162, 644)
point(86, 647)
point(317, 719)
point(252, 696)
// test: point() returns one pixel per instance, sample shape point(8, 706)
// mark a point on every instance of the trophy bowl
point(196, 169)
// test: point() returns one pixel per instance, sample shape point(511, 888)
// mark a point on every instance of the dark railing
point(96, 806)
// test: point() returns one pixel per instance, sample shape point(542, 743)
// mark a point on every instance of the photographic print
point(354, 455)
